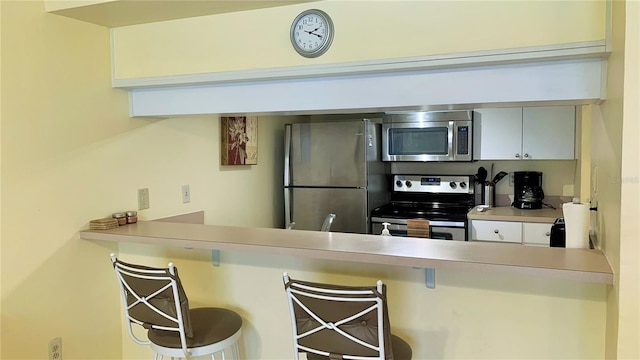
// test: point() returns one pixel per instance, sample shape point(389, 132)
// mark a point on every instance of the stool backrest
point(339, 322)
point(154, 299)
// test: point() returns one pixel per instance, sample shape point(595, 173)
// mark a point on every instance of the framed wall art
point(239, 145)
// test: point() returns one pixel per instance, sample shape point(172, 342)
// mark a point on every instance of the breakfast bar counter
point(582, 265)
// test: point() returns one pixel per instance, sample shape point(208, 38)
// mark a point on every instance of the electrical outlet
point(143, 199)
point(55, 349)
point(511, 179)
point(186, 194)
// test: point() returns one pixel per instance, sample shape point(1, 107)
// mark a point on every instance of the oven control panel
point(452, 184)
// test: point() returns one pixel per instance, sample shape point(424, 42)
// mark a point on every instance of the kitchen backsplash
point(558, 176)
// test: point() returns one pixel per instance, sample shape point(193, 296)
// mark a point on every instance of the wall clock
point(312, 33)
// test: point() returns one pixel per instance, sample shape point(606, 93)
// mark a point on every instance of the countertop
point(508, 213)
point(582, 265)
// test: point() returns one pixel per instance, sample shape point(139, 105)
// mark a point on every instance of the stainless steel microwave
point(428, 136)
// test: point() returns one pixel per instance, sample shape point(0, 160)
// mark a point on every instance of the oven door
point(441, 230)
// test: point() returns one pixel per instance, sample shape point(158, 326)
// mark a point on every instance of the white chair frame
point(161, 351)
point(335, 295)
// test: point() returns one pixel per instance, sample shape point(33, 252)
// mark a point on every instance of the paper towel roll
point(576, 220)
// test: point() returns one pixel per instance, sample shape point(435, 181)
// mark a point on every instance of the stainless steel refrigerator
point(333, 167)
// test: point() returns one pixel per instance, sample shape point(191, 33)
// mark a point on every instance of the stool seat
point(214, 329)
point(335, 322)
point(155, 299)
point(400, 349)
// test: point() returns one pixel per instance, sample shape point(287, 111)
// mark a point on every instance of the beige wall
point(582, 186)
point(615, 163)
point(259, 39)
point(61, 125)
point(70, 154)
point(628, 346)
point(606, 169)
point(0, 178)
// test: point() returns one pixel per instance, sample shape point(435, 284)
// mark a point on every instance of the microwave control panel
point(463, 140)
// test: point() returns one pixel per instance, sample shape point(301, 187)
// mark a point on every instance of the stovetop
point(445, 198)
point(433, 211)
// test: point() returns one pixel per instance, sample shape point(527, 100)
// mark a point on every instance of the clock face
point(312, 33)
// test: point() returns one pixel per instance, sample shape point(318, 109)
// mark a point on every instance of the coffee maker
point(528, 192)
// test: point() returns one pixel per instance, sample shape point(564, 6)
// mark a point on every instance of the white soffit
point(563, 75)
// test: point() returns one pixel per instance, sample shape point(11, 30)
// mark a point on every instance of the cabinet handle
point(547, 234)
point(526, 156)
point(496, 231)
point(517, 156)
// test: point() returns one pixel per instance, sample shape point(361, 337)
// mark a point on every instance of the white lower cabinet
point(496, 231)
point(536, 234)
point(531, 234)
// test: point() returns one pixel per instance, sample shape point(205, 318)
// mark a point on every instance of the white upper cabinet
point(497, 133)
point(548, 132)
point(530, 133)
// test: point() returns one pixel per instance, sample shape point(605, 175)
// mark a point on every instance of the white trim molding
point(592, 49)
point(570, 73)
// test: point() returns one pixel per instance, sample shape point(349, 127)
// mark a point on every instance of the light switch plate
point(186, 194)
point(143, 199)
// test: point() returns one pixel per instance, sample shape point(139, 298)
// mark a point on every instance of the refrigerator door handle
point(287, 209)
point(287, 154)
point(326, 226)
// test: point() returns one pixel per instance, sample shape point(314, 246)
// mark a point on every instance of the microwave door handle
point(452, 138)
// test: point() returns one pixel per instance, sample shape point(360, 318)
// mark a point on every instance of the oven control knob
point(453, 185)
point(463, 185)
point(399, 183)
point(408, 183)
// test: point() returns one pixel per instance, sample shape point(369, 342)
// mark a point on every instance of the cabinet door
point(536, 234)
point(496, 231)
point(497, 134)
point(548, 132)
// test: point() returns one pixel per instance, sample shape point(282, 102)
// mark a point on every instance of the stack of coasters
point(103, 224)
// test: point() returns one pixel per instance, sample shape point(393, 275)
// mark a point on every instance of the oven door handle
point(431, 223)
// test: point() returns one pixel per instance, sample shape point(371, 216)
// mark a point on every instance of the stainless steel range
point(444, 200)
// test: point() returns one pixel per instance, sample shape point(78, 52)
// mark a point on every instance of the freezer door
point(327, 154)
point(309, 208)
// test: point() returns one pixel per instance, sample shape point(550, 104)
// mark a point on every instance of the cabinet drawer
point(536, 234)
point(498, 231)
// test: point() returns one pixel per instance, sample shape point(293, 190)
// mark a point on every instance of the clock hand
point(312, 33)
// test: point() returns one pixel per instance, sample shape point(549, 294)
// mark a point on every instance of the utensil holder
point(489, 195)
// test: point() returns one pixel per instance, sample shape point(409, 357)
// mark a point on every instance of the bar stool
point(332, 322)
point(155, 299)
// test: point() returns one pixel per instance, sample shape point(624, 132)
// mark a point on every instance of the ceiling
point(130, 12)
